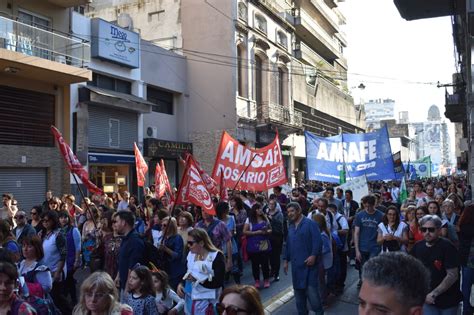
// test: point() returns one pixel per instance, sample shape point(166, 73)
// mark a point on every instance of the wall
point(156, 21)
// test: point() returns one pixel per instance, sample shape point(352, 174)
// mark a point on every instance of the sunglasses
point(19, 217)
point(164, 225)
point(34, 213)
point(229, 309)
point(191, 243)
point(427, 229)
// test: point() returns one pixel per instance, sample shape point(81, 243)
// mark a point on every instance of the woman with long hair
point(89, 233)
point(172, 248)
point(392, 233)
point(73, 258)
point(240, 215)
point(258, 229)
point(238, 299)
point(99, 295)
point(222, 210)
point(111, 242)
point(35, 220)
point(185, 225)
point(205, 274)
point(434, 208)
point(71, 207)
point(466, 253)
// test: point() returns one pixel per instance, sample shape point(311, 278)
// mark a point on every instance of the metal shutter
point(112, 129)
point(28, 185)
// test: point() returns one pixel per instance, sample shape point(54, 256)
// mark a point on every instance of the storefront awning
point(92, 94)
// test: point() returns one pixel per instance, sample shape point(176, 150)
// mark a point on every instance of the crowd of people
point(150, 257)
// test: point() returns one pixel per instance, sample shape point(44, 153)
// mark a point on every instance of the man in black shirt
point(442, 260)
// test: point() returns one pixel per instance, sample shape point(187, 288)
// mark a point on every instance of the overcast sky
point(383, 44)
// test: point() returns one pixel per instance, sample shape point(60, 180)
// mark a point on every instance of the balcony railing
point(280, 114)
point(304, 19)
point(276, 6)
point(45, 44)
point(246, 108)
point(330, 16)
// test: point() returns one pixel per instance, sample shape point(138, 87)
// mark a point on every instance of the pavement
point(346, 303)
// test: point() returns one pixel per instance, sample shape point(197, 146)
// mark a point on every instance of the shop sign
point(115, 44)
point(95, 158)
point(166, 149)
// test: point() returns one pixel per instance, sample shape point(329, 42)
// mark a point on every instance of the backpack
point(33, 286)
point(39, 305)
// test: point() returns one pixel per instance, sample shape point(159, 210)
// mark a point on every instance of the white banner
point(359, 187)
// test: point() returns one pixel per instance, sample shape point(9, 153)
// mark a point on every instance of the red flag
point(73, 163)
point(223, 190)
point(261, 169)
point(192, 188)
point(166, 180)
point(141, 165)
point(160, 186)
point(211, 184)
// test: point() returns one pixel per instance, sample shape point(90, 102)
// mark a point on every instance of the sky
point(381, 44)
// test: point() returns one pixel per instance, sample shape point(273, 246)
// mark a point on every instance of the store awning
point(92, 94)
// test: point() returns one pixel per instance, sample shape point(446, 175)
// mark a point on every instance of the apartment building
point(39, 59)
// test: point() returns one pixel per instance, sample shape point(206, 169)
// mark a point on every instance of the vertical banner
point(257, 169)
point(142, 167)
point(160, 185)
point(166, 180)
point(366, 154)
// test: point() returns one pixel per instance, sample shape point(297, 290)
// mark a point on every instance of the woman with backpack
point(392, 233)
point(37, 276)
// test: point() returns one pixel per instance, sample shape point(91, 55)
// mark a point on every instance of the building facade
point(39, 59)
point(378, 110)
point(253, 68)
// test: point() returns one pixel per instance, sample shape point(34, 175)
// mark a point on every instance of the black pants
point(260, 260)
point(275, 255)
point(343, 270)
point(59, 298)
point(70, 287)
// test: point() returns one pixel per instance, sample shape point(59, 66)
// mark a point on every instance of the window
point(34, 20)
point(110, 83)
point(163, 100)
point(241, 71)
point(282, 39)
point(30, 41)
point(242, 11)
point(281, 86)
point(260, 23)
point(81, 9)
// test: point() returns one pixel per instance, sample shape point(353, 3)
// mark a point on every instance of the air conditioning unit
point(152, 132)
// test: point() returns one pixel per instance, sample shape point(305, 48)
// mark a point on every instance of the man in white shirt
point(323, 209)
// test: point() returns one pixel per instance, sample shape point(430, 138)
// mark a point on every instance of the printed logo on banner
point(258, 169)
point(367, 154)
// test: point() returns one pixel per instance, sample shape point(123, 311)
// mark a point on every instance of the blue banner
point(366, 154)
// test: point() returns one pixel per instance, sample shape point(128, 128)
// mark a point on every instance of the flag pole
point(83, 198)
point(245, 170)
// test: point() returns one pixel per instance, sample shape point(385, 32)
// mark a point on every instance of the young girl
point(140, 294)
point(165, 296)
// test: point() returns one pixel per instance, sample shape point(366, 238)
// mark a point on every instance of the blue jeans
point(311, 295)
point(433, 310)
point(467, 282)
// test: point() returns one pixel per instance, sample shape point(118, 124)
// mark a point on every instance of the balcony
point(328, 13)
point(246, 109)
point(38, 53)
point(304, 53)
point(68, 3)
point(455, 107)
point(315, 35)
point(287, 118)
point(423, 9)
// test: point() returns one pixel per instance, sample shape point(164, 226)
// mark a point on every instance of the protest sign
point(257, 169)
point(366, 154)
point(358, 185)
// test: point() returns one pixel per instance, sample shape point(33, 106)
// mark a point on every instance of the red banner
point(166, 180)
point(141, 166)
point(73, 163)
point(261, 169)
point(160, 185)
point(223, 195)
point(211, 184)
point(192, 188)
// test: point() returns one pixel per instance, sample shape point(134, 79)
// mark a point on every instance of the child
point(140, 293)
point(165, 296)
